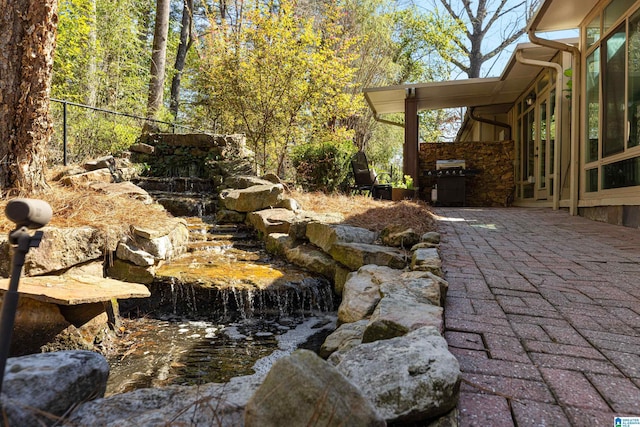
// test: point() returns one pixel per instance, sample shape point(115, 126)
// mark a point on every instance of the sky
point(496, 65)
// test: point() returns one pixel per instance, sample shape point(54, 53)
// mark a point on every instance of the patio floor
point(543, 314)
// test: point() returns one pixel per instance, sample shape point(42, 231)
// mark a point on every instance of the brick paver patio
point(543, 314)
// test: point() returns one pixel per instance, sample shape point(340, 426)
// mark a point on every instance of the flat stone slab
point(76, 289)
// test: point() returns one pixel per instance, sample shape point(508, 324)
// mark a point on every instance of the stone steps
point(205, 237)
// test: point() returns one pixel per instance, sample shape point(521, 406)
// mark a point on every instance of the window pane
point(592, 180)
point(529, 129)
point(633, 77)
point(614, 11)
point(519, 148)
point(625, 173)
point(542, 158)
point(527, 191)
point(593, 105)
point(552, 133)
point(593, 31)
point(543, 82)
point(613, 78)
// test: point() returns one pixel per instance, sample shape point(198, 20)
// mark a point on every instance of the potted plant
point(403, 190)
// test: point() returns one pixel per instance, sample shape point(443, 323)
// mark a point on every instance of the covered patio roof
point(556, 15)
point(487, 95)
point(494, 91)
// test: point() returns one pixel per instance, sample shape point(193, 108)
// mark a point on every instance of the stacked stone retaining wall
point(194, 155)
point(494, 160)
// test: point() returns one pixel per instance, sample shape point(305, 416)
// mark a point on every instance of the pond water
point(224, 309)
point(156, 352)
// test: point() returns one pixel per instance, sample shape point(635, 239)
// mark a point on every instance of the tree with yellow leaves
point(279, 77)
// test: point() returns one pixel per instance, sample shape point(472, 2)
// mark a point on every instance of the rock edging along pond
point(390, 326)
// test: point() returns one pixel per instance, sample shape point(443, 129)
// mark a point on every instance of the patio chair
point(366, 180)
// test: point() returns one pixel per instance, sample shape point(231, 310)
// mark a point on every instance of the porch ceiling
point(464, 93)
point(556, 15)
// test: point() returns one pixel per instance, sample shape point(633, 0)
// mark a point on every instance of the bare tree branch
point(460, 65)
point(503, 45)
point(479, 24)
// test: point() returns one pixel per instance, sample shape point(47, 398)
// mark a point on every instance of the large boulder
point(166, 240)
point(340, 278)
point(361, 292)
point(241, 182)
point(401, 310)
point(423, 286)
point(253, 198)
point(278, 243)
point(344, 338)
point(325, 236)
point(72, 246)
point(290, 204)
point(269, 221)
point(129, 272)
point(311, 258)
point(427, 259)
point(39, 387)
point(442, 285)
point(126, 188)
point(302, 389)
point(431, 237)
point(355, 255)
point(198, 406)
point(128, 252)
point(99, 175)
point(298, 228)
point(399, 236)
point(409, 379)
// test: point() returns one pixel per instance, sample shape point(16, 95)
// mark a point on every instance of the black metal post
point(64, 133)
point(23, 241)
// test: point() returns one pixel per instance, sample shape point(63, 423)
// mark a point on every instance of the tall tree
point(186, 40)
point(158, 58)
point(27, 43)
point(506, 20)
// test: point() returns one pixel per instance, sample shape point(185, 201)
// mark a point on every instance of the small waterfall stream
point(219, 311)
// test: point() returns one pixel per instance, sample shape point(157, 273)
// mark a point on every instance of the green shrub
point(322, 166)
point(91, 134)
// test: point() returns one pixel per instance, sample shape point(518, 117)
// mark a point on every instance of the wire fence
point(82, 132)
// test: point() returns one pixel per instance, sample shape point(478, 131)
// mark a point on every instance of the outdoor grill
point(450, 182)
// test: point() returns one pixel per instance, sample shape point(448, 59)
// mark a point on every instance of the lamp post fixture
point(26, 214)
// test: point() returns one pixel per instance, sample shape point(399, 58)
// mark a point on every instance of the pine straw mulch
point(365, 212)
point(82, 206)
point(114, 214)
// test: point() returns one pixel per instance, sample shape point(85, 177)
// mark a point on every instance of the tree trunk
point(181, 56)
point(92, 81)
point(27, 43)
point(158, 58)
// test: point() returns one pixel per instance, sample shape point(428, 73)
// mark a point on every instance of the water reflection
point(157, 352)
